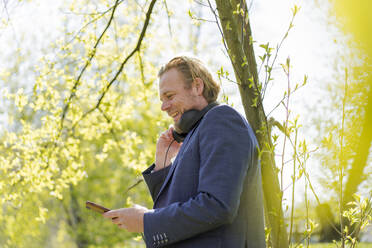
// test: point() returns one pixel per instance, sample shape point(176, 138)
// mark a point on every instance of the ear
point(198, 86)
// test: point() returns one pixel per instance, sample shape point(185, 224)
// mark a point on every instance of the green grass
point(331, 245)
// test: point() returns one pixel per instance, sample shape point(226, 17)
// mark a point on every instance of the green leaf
point(265, 46)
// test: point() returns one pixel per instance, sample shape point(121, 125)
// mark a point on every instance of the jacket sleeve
point(225, 149)
point(155, 179)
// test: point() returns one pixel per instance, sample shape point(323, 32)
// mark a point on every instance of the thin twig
point(169, 17)
point(200, 3)
point(108, 120)
point(77, 81)
point(281, 101)
point(299, 155)
point(202, 19)
point(133, 186)
point(267, 79)
point(230, 80)
point(293, 188)
point(141, 68)
point(136, 49)
point(219, 26)
point(6, 9)
point(341, 176)
point(101, 14)
point(140, 6)
point(90, 14)
point(307, 208)
point(250, 6)
point(286, 121)
point(9, 21)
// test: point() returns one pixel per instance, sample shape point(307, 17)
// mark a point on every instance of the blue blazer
point(211, 195)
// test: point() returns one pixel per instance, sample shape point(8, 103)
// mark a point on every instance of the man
point(211, 194)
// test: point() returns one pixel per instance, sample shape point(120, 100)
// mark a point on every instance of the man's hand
point(161, 148)
point(130, 219)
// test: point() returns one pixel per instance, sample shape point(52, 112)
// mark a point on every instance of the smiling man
point(211, 194)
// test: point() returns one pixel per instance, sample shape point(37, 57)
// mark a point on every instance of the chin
point(177, 119)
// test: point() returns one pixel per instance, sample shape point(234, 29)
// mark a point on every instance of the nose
point(165, 106)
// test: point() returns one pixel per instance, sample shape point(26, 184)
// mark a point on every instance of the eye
point(170, 96)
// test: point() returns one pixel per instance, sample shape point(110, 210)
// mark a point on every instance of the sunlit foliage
point(53, 158)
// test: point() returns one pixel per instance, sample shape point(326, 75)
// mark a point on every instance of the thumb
point(139, 206)
point(109, 214)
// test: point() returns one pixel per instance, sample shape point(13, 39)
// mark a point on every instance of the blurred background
point(80, 112)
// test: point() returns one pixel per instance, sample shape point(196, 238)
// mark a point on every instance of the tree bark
point(237, 36)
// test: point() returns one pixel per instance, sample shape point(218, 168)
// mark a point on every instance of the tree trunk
point(355, 173)
point(237, 36)
point(73, 214)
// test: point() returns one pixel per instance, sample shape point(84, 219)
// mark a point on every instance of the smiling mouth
point(175, 116)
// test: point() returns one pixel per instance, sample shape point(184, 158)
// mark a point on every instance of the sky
point(313, 46)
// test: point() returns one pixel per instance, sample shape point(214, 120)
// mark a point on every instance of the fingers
point(130, 219)
point(167, 135)
point(170, 133)
point(122, 226)
point(110, 214)
point(116, 221)
point(114, 216)
point(136, 206)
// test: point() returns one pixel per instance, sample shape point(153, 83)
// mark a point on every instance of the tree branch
point(169, 16)
point(101, 14)
point(136, 49)
point(133, 186)
point(77, 81)
point(219, 26)
point(268, 71)
point(108, 120)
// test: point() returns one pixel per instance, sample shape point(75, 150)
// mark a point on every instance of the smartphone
point(95, 207)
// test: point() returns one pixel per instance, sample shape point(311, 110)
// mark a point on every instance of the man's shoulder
point(226, 117)
point(221, 108)
point(224, 111)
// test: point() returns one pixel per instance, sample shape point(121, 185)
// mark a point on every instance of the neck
point(202, 103)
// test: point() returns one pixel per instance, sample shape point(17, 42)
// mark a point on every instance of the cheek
point(189, 102)
point(178, 101)
point(184, 104)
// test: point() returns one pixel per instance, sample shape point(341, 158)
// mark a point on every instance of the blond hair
point(192, 68)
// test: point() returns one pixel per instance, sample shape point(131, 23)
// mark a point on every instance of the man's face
point(175, 97)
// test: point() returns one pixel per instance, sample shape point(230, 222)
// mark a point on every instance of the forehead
point(171, 80)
